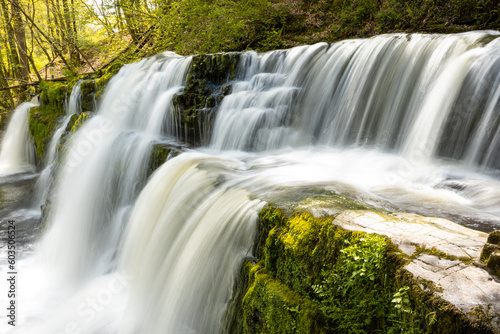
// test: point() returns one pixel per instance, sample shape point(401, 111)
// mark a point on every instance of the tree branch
point(30, 84)
point(41, 32)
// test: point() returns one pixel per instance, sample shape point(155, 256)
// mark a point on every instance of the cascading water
point(401, 121)
point(44, 182)
point(120, 138)
point(17, 154)
point(384, 92)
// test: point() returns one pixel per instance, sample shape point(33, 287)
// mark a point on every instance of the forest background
point(61, 39)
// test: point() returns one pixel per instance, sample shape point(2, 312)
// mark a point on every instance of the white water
point(18, 154)
point(105, 168)
point(44, 182)
point(372, 119)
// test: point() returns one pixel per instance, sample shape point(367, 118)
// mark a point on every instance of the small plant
point(354, 294)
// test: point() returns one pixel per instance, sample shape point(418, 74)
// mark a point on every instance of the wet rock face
point(491, 253)
point(161, 153)
point(208, 81)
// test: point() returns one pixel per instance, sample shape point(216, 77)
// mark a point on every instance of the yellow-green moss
point(43, 119)
point(341, 277)
point(79, 121)
point(311, 276)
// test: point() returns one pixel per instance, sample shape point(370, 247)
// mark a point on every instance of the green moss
point(79, 121)
point(494, 263)
point(43, 119)
point(343, 278)
point(92, 89)
point(346, 281)
point(494, 238)
point(271, 307)
point(161, 153)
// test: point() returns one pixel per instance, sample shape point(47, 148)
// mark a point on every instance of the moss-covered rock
point(93, 88)
point(494, 237)
point(494, 263)
point(78, 122)
point(43, 119)
point(269, 306)
point(208, 81)
point(161, 153)
point(311, 259)
point(344, 274)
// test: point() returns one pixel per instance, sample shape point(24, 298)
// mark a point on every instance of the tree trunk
point(20, 36)
point(12, 55)
point(60, 24)
point(50, 28)
point(127, 9)
point(70, 34)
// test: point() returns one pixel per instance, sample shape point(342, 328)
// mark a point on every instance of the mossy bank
point(313, 274)
point(54, 96)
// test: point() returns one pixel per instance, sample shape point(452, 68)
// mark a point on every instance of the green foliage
point(313, 277)
point(355, 13)
point(194, 26)
point(355, 294)
point(271, 307)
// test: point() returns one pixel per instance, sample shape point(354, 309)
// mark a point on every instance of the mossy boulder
point(494, 263)
point(80, 119)
point(491, 253)
point(494, 237)
point(326, 264)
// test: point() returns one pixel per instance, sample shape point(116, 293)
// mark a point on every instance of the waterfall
point(403, 122)
point(392, 92)
point(104, 168)
point(195, 230)
point(17, 153)
point(44, 182)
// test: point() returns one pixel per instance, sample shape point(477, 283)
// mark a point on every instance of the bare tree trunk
point(59, 53)
point(70, 34)
point(20, 36)
point(60, 24)
point(50, 28)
